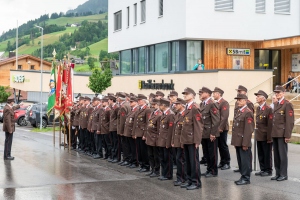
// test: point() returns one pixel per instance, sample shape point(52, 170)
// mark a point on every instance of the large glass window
point(126, 62)
point(193, 53)
point(161, 57)
point(151, 59)
point(175, 56)
point(262, 59)
point(142, 60)
point(134, 60)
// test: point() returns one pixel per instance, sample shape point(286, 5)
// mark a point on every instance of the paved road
point(42, 171)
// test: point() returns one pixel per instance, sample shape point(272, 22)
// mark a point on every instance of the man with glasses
point(283, 123)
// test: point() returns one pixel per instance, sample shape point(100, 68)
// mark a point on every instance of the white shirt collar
point(166, 110)
point(219, 99)
point(182, 111)
point(280, 100)
point(207, 100)
point(189, 104)
point(243, 107)
point(262, 105)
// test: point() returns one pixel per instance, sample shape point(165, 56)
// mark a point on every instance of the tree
point(102, 55)
point(100, 80)
point(3, 94)
point(91, 63)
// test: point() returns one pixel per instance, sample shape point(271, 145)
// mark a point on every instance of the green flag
point(52, 85)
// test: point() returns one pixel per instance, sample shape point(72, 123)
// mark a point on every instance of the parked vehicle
point(33, 115)
point(1, 113)
point(20, 116)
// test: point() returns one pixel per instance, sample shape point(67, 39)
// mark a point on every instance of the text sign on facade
point(19, 79)
point(296, 62)
point(151, 84)
point(234, 51)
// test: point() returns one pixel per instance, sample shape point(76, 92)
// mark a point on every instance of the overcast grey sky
point(22, 11)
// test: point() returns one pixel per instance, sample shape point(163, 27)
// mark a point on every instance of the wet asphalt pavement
point(42, 171)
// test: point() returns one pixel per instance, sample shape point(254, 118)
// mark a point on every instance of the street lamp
point(41, 100)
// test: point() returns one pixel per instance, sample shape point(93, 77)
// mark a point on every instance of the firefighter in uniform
point(242, 129)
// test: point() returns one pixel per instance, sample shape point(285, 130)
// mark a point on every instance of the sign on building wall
point(237, 62)
point(296, 62)
point(19, 79)
point(235, 51)
point(151, 84)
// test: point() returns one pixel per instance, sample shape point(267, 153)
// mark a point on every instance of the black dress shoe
point(165, 178)
point(258, 173)
point(97, 156)
point(109, 160)
point(177, 183)
point(185, 185)
point(133, 166)
point(204, 174)
point(202, 161)
point(149, 174)
point(193, 187)
point(144, 170)
point(266, 174)
point(226, 166)
point(115, 161)
point(154, 174)
point(138, 170)
point(209, 175)
point(236, 170)
point(9, 158)
point(242, 182)
point(121, 162)
point(238, 180)
point(125, 163)
point(274, 178)
point(282, 178)
point(220, 165)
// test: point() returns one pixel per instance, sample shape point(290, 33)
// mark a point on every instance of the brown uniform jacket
point(173, 108)
point(96, 117)
point(90, 120)
point(178, 121)
point(124, 110)
point(76, 116)
point(153, 125)
point(250, 105)
point(264, 123)
point(140, 122)
point(84, 115)
point(104, 120)
point(9, 119)
point(224, 114)
point(192, 126)
point(166, 128)
point(283, 119)
point(211, 118)
point(113, 122)
point(129, 122)
point(242, 128)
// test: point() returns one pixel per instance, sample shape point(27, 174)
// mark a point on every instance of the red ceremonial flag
point(58, 98)
point(69, 92)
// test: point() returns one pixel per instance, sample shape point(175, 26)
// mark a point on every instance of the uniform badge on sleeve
point(249, 120)
point(214, 110)
point(291, 113)
point(224, 108)
point(198, 117)
point(271, 116)
point(170, 124)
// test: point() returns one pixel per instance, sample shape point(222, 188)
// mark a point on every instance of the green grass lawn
point(62, 21)
point(97, 47)
point(3, 44)
point(84, 67)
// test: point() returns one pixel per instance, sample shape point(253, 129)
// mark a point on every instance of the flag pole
point(59, 132)
point(71, 101)
point(53, 110)
point(65, 132)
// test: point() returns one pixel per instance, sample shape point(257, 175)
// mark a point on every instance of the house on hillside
point(25, 62)
point(73, 48)
point(75, 25)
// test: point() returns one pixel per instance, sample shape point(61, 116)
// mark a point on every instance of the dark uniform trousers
point(244, 159)
point(7, 144)
point(153, 155)
point(205, 153)
point(126, 148)
point(166, 162)
point(212, 157)
point(280, 156)
point(108, 141)
point(98, 143)
point(142, 153)
point(181, 168)
point(88, 140)
point(174, 157)
point(83, 132)
point(223, 148)
point(119, 148)
point(193, 172)
point(74, 137)
point(132, 149)
point(115, 145)
point(264, 151)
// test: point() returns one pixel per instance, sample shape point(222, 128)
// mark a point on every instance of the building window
point(151, 59)
point(224, 5)
point(135, 60)
point(260, 6)
point(128, 17)
point(143, 11)
point(193, 53)
point(175, 56)
point(19, 66)
point(282, 6)
point(32, 67)
point(126, 62)
point(118, 21)
point(161, 57)
point(142, 60)
point(135, 14)
point(161, 7)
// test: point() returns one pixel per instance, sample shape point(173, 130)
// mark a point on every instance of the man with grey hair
point(264, 115)
point(139, 133)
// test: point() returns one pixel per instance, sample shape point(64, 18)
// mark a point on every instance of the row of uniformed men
point(146, 135)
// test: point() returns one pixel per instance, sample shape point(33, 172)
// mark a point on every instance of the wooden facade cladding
point(215, 56)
